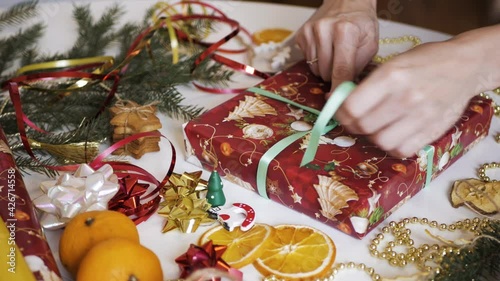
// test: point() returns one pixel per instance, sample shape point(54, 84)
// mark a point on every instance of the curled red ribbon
point(132, 199)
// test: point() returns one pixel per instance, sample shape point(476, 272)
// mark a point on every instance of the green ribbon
point(323, 124)
point(429, 150)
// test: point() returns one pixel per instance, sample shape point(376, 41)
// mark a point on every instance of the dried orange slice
point(243, 247)
point(275, 35)
point(297, 253)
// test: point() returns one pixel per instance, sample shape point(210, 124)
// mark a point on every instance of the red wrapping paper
point(351, 184)
point(18, 213)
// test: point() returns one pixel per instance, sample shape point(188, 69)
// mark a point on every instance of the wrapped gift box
point(351, 184)
point(20, 218)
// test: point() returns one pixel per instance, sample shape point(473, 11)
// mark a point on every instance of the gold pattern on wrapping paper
point(333, 196)
point(4, 147)
point(496, 109)
point(249, 108)
point(245, 159)
point(291, 90)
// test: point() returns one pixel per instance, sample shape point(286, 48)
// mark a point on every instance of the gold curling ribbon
point(174, 42)
point(164, 12)
point(105, 61)
point(79, 152)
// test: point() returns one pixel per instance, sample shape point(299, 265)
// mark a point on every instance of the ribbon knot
point(128, 107)
point(129, 194)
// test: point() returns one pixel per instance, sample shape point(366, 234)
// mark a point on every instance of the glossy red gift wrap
point(19, 215)
point(351, 184)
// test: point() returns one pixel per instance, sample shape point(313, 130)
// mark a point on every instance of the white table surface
point(432, 202)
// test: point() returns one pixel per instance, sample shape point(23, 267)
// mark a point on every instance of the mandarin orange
point(119, 259)
point(87, 229)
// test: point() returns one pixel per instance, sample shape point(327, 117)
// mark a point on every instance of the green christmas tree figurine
point(215, 195)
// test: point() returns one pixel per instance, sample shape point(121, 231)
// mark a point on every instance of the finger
point(371, 93)
point(381, 116)
point(408, 134)
point(429, 133)
point(308, 45)
point(345, 45)
point(393, 137)
point(323, 37)
point(411, 146)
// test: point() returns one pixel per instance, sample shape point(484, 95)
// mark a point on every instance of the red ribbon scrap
point(132, 199)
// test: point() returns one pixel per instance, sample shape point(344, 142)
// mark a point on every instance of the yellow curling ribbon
point(106, 62)
point(174, 42)
point(169, 11)
point(162, 7)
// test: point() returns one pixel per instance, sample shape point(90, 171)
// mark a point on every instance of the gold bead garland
point(398, 40)
point(370, 271)
point(423, 254)
point(481, 172)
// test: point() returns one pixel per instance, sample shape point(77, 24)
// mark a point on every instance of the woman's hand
point(343, 36)
point(413, 99)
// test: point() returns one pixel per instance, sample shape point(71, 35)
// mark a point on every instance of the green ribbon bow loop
point(324, 123)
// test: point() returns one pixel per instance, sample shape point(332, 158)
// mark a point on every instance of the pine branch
point(125, 36)
point(94, 38)
point(478, 261)
point(92, 130)
point(212, 74)
point(150, 76)
point(14, 46)
point(27, 165)
point(18, 13)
